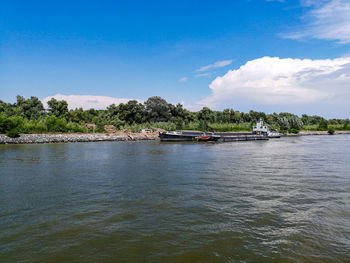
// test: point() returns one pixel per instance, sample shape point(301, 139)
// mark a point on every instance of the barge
point(260, 132)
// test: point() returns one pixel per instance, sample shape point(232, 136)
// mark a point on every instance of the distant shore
point(74, 137)
point(97, 137)
point(309, 133)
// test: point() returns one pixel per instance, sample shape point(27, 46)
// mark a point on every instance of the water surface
point(283, 200)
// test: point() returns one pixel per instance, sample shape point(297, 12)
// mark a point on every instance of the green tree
point(206, 114)
point(323, 125)
point(32, 108)
point(58, 108)
point(283, 123)
point(77, 115)
point(112, 110)
point(55, 124)
point(295, 123)
point(157, 109)
point(131, 112)
point(256, 116)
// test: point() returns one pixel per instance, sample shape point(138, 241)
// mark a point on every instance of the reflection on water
point(285, 200)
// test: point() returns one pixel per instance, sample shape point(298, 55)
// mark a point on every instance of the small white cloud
point(316, 3)
point(327, 20)
point(275, 81)
point(206, 74)
point(218, 64)
point(184, 79)
point(86, 101)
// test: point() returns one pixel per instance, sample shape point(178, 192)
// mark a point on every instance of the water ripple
point(284, 200)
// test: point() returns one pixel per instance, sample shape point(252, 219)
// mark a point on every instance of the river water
point(283, 200)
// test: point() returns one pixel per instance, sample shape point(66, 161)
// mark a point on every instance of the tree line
point(30, 116)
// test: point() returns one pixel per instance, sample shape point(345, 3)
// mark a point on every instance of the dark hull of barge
point(178, 138)
point(219, 137)
point(234, 138)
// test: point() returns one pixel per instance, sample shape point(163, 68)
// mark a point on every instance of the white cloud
point(218, 64)
point(184, 79)
point(86, 101)
point(330, 21)
point(315, 3)
point(276, 81)
point(206, 74)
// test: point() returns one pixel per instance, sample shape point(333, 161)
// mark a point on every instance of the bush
point(34, 126)
point(8, 125)
point(13, 133)
point(55, 124)
point(75, 127)
point(331, 131)
point(323, 125)
point(179, 123)
point(203, 125)
point(283, 131)
point(3, 124)
point(293, 130)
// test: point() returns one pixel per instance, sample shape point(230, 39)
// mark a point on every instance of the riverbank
point(309, 133)
point(75, 137)
point(96, 137)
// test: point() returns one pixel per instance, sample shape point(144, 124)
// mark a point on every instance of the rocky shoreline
point(75, 137)
point(309, 133)
point(98, 137)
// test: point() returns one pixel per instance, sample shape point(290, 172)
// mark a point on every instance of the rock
point(71, 137)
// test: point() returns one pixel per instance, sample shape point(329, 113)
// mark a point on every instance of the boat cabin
point(260, 128)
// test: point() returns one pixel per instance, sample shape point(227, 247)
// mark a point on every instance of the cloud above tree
point(86, 101)
point(277, 81)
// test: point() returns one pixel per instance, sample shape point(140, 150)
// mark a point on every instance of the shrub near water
point(323, 125)
point(293, 130)
point(34, 126)
point(331, 131)
point(3, 124)
point(75, 127)
point(11, 126)
point(55, 124)
point(14, 133)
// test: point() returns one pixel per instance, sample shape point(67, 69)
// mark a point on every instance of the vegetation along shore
point(27, 121)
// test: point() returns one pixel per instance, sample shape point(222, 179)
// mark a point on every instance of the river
point(282, 200)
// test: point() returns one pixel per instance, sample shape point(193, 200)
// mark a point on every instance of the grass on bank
point(15, 125)
point(200, 126)
point(334, 127)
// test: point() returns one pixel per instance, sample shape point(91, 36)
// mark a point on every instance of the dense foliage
point(29, 116)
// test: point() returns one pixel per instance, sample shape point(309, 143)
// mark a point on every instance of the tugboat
point(273, 134)
point(261, 127)
point(260, 132)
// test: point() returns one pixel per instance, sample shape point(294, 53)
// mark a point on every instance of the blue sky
point(182, 51)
